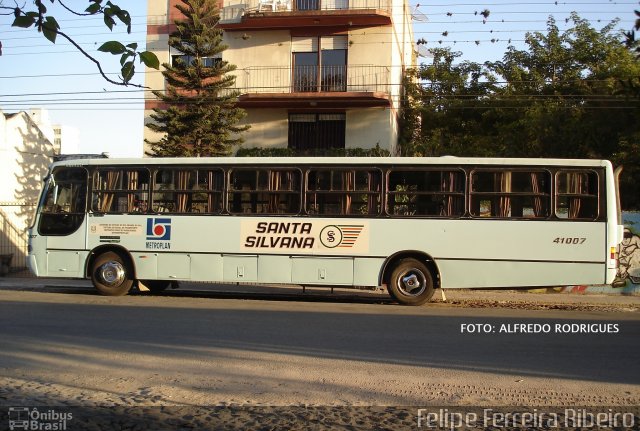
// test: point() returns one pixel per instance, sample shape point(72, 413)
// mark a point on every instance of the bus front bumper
point(32, 264)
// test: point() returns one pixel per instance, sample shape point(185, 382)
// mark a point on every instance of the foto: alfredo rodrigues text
point(540, 328)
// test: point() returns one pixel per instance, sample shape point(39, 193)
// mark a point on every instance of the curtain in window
point(504, 180)
point(275, 183)
point(215, 184)
point(184, 178)
point(575, 187)
point(131, 186)
point(372, 199)
point(538, 209)
point(107, 198)
point(348, 182)
point(450, 184)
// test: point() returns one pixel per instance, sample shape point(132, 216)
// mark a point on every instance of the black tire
point(111, 274)
point(411, 282)
point(156, 286)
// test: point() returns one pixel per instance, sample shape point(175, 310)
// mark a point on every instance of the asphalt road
point(69, 346)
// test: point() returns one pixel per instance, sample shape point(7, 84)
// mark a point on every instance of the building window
point(319, 63)
point(188, 59)
point(308, 132)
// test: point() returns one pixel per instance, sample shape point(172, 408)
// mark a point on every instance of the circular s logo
point(331, 236)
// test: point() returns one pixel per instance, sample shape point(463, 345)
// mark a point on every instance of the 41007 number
point(570, 240)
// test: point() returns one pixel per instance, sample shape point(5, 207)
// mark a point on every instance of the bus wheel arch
point(111, 270)
point(411, 277)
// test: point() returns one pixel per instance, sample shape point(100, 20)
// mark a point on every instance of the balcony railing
point(234, 10)
point(307, 79)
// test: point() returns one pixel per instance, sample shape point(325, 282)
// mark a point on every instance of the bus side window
point(425, 192)
point(577, 194)
point(120, 190)
point(354, 192)
point(264, 191)
point(507, 193)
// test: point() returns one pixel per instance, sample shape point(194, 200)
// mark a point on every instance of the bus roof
point(363, 161)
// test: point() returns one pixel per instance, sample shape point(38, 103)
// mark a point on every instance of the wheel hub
point(112, 273)
point(412, 283)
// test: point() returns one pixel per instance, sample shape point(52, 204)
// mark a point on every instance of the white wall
point(368, 127)
point(269, 128)
point(25, 154)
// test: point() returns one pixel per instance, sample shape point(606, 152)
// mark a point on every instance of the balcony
point(288, 14)
point(313, 86)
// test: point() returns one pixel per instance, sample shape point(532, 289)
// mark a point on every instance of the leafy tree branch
point(45, 23)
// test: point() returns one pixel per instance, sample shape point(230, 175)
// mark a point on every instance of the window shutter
point(333, 42)
point(304, 44)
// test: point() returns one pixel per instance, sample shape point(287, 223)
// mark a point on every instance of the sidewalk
point(540, 296)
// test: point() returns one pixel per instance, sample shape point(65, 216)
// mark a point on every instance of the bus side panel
point(501, 253)
point(174, 266)
point(206, 267)
point(478, 273)
point(366, 271)
point(146, 265)
point(66, 254)
point(240, 268)
point(322, 270)
point(274, 269)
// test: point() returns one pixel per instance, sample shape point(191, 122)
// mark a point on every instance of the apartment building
point(312, 74)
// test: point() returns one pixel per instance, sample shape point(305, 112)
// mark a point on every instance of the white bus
point(412, 225)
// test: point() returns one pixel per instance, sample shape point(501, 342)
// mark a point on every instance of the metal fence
point(234, 10)
point(351, 78)
point(14, 237)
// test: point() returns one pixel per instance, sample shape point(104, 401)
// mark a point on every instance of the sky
point(35, 73)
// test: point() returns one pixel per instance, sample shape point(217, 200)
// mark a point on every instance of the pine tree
point(200, 117)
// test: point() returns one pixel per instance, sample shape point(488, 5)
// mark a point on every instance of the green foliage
point(50, 29)
point(566, 94)
point(333, 152)
point(201, 117)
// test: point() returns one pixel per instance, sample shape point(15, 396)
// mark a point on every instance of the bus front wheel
point(411, 282)
point(110, 275)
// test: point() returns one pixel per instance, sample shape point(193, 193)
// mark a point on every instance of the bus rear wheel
point(110, 274)
point(411, 282)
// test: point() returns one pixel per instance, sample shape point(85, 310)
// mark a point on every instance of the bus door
point(61, 233)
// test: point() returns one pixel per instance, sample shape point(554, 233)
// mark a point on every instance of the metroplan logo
point(158, 233)
point(159, 229)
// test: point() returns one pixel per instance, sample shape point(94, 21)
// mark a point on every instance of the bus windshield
point(64, 201)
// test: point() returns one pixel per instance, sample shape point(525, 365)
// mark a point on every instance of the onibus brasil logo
point(31, 419)
point(342, 236)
